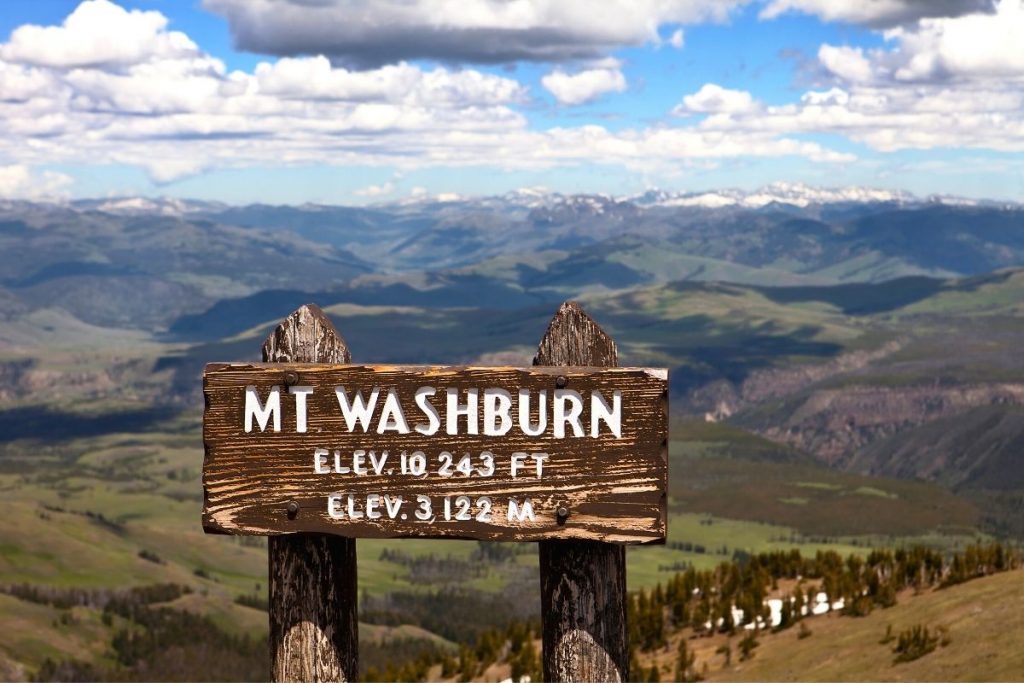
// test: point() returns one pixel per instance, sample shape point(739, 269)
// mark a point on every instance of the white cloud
point(846, 62)
point(942, 83)
point(968, 48)
point(875, 12)
point(179, 114)
point(20, 83)
point(714, 99)
point(375, 190)
point(980, 45)
point(166, 168)
point(677, 38)
point(20, 182)
point(97, 33)
point(585, 86)
point(314, 78)
point(890, 119)
point(475, 31)
point(830, 97)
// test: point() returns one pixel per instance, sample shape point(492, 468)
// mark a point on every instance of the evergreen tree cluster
point(153, 642)
point(99, 598)
point(161, 643)
point(917, 641)
point(977, 561)
point(704, 600)
point(431, 568)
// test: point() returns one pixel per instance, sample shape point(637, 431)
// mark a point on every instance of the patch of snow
point(164, 206)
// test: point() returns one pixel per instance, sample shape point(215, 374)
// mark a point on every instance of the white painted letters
point(422, 402)
point(520, 514)
point(570, 415)
point(319, 460)
point(359, 411)
point(469, 409)
point(263, 412)
point(497, 410)
point(300, 394)
point(524, 413)
point(391, 415)
point(599, 411)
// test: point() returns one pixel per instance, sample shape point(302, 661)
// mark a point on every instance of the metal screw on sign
point(563, 513)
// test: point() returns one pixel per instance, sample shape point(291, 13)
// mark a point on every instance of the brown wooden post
point(582, 583)
point(314, 633)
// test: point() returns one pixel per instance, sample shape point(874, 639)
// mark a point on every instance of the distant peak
point(164, 206)
point(792, 193)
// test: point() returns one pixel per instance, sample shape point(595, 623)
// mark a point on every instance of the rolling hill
point(983, 618)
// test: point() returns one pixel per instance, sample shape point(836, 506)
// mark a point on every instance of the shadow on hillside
point(44, 424)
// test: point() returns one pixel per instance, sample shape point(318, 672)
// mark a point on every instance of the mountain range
point(147, 264)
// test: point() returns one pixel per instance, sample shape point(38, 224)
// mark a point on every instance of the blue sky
point(288, 101)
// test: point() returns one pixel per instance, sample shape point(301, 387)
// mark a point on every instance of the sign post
point(583, 583)
point(314, 630)
point(314, 452)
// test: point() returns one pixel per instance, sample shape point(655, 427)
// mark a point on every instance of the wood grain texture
point(612, 486)
point(314, 634)
point(583, 583)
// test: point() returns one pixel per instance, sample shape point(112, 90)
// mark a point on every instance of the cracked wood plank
point(310, 468)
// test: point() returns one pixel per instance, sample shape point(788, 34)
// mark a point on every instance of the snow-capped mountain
point(161, 206)
point(794, 194)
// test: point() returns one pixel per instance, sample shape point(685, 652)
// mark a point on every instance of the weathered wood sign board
point(381, 451)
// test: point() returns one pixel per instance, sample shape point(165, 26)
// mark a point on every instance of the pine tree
point(798, 604)
point(747, 645)
point(785, 615)
point(685, 661)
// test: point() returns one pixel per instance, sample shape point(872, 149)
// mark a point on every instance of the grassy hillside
point(984, 618)
point(115, 510)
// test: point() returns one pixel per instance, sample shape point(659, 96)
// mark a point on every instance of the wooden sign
point(382, 451)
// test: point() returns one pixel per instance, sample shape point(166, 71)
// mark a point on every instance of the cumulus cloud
point(19, 83)
point(676, 40)
point(381, 190)
point(180, 113)
point(367, 34)
point(20, 182)
point(166, 168)
point(942, 82)
point(969, 48)
point(314, 78)
point(98, 33)
point(876, 13)
point(587, 85)
point(848, 63)
point(976, 46)
point(714, 99)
